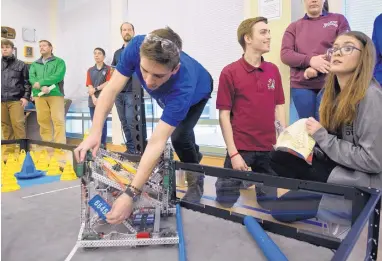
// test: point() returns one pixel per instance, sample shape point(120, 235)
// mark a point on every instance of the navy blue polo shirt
point(191, 84)
point(96, 77)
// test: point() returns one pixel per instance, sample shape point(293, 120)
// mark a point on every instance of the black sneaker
point(131, 152)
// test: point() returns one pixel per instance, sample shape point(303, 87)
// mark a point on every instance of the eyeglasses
point(344, 50)
point(165, 43)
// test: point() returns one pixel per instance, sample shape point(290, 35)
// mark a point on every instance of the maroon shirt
point(306, 38)
point(251, 94)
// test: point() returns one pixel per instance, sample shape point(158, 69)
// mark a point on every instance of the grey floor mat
point(45, 228)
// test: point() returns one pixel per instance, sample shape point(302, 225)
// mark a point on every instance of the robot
point(153, 220)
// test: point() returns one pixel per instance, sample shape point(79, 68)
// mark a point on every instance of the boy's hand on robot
point(92, 142)
point(121, 209)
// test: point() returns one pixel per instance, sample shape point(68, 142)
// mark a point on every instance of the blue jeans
point(124, 105)
point(104, 129)
point(307, 102)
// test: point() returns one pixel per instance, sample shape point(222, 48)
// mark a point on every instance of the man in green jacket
point(46, 76)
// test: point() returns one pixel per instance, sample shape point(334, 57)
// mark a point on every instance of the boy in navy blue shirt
point(180, 85)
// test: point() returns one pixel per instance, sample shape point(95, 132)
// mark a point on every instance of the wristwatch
point(132, 193)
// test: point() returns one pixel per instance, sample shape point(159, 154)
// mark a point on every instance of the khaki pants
point(51, 109)
point(12, 120)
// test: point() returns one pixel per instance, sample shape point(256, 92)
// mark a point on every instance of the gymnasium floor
point(41, 222)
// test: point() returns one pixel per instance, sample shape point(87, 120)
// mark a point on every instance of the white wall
point(31, 14)
point(82, 27)
point(118, 15)
point(208, 28)
point(75, 28)
point(361, 14)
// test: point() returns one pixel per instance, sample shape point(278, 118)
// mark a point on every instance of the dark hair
point(245, 28)
point(326, 6)
point(132, 26)
point(7, 42)
point(162, 46)
point(101, 50)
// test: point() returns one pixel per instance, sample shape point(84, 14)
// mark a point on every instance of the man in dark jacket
point(124, 100)
point(15, 93)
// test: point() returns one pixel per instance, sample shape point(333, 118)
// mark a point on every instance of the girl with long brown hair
point(349, 134)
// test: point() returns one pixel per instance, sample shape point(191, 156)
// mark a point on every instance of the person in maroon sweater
point(304, 46)
point(250, 98)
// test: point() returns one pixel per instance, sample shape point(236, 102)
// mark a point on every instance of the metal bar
point(208, 122)
point(24, 145)
point(373, 233)
point(9, 142)
point(130, 157)
point(173, 197)
point(284, 230)
point(358, 204)
point(83, 125)
point(139, 130)
point(349, 242)
point(107, 181)
point(28, 145)
point(84, 118)
point(157, 219)
point(53, 145)
point(269, 180)
point(129, 242)
point(129, 227)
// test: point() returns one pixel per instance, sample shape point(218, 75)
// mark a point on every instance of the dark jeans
point(290, 166)
point(183, 138)
point(228, 190)
point(295, 205)
point(124, 105)
point(307, 102)
point(104, 129)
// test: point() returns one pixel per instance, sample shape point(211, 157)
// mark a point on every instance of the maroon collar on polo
point(250, 68)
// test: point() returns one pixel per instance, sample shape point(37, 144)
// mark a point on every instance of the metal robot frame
point(102, 178)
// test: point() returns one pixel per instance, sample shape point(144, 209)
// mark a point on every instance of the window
point(149, 108)
point(206, 111)
point(361, 14)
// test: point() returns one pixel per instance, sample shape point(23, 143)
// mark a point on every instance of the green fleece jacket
point(52, 72)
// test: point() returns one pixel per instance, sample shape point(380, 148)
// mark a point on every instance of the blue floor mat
point(37, 181)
